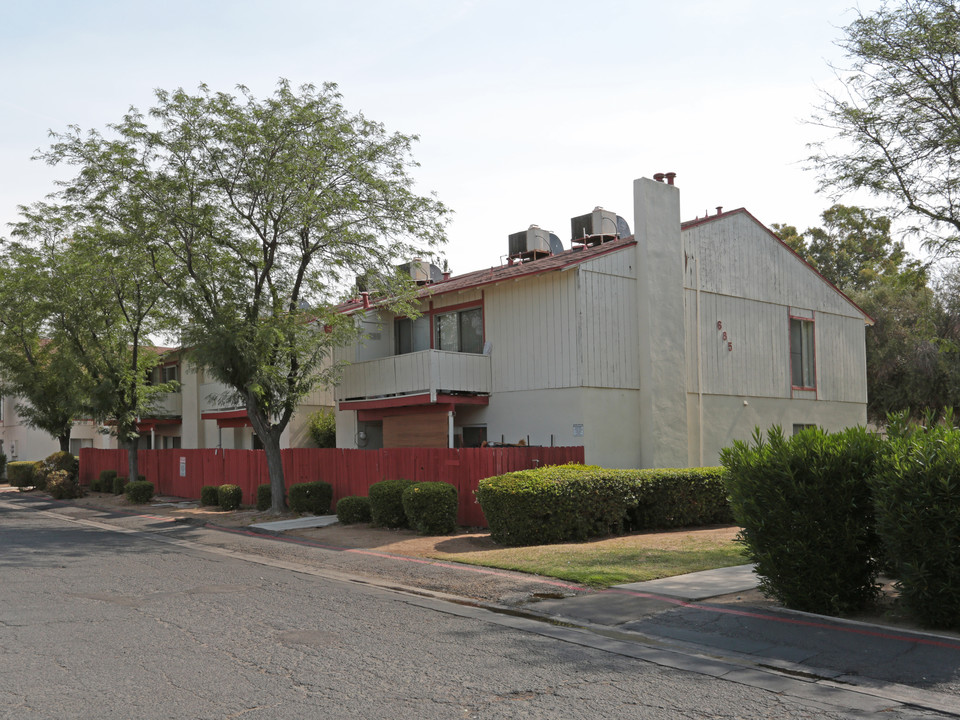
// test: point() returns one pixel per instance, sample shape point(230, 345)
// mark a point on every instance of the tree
point(99, 302)
point(265, 211)
point(852, 249)
point(897, 127)
point(41, 374)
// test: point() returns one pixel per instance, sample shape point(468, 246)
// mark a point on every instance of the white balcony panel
point(167, 404)
point(428, 371)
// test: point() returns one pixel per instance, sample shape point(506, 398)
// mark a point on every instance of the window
point(168, 373)
point(77, 443)
point(800, 427)
point(802, 365)
point(460, 331)
point(412, 335)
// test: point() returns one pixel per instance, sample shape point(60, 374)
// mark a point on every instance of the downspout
point(699, 364)
point(450, 429)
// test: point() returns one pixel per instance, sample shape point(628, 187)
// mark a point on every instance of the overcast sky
point(528, 112)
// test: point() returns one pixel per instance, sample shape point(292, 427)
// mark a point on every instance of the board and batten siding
point(740, 258)
point(532, 325)
point(609, 333)
point(841, 357)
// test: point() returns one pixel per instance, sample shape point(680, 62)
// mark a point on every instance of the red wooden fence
point(182, 473)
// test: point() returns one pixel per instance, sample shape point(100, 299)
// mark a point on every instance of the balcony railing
point(167, 404)
point(428, 371)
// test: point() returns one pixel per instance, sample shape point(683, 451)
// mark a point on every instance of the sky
point(527, 111)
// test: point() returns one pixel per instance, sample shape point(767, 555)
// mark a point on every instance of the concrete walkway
point(699, 585)
point(310, 521)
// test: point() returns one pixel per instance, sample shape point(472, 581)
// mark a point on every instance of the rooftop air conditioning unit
point(532, 240)
point(599, 222)
point(422, 272)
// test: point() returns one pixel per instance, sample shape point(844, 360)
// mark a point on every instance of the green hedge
point(22, 474)
point(104, 483)
point(353, 509)
point(62, 460)
point(386, 503)
point(209, 495)
point(805, 506)
point(917, 500)
point(139, 492)
point(671, 498)
point(311, 497)
point(229, 497)
point(431, 507)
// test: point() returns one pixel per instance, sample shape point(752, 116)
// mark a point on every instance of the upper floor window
point(802, 354)
point(460, 331)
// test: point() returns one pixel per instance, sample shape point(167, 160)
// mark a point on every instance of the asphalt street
point(104, 622)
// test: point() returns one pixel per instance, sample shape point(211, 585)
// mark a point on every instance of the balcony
point(429, 372)
point(167, 405)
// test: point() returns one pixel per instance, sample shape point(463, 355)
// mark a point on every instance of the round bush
point(229, 497)
point(120, 482)
point(139, 492)
point(312, 497)
point(264, 497)
point(63, 461)
point(62, 485)
point(353, 509)
point(431, 507)
point(805, 506)
point(386, 503)
point(209, 495)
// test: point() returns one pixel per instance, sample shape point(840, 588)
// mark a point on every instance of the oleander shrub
point(353, 509)
point(386, 503)
point(264, 497)
point(22, 474)
point(917, 501)
point(322, 427)
point(209, 495)
point(62, 485)
point(139, 492)
point(672, 498)
point(805, 507)
point(104, 482)
point(311, 497)
point(431, 507)
point(557, 503)
point(229, 497)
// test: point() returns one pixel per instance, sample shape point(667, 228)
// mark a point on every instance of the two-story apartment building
point(655, 349)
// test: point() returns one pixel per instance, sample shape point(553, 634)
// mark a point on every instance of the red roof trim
point(701, 221)
point(413, 401)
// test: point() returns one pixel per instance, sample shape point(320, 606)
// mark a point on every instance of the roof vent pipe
point(719, 209)
point(658, 177)
point(365, 296)
point(670, 177)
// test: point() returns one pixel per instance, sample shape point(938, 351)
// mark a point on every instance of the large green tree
point(896, 124)
point(100, 302)
point(264, 212)
point(41, 376)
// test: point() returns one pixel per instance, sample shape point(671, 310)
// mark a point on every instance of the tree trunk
point(64, 442)
point(133, 467)
point(278, 493)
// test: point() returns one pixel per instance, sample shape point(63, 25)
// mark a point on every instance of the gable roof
point(743, 211)
point(480, 278)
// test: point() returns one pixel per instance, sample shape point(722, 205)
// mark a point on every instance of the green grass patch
point(613, 561)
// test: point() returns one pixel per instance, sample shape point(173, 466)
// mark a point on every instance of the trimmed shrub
point(139, 492)
point(62, 485)
point(63, 461)
point(264, 497)
point(917, 500)
point(668, 498)
point(311, 497)
point(209, 495)
point(22, 474)
point(229, 497)
point(353, 509)
point(806, 511)
point(105, 481)
point(3, 463)
point(431, 507)
point(386, 503)
point(119, 483)
point(557, 503)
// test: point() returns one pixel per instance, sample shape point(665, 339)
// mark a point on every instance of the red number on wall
point(730, 346)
